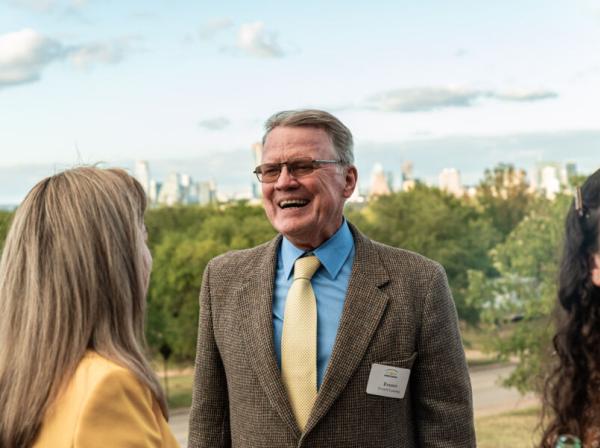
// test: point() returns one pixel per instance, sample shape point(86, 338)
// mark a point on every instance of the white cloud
point(214, 124)
point(85, 56)
point(24, 55)
point(421, 99)
point(49, 5)
point(210, 29)
point(525, 95)
point(254, 40)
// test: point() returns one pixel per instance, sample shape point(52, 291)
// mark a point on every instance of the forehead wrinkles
point(281, 148)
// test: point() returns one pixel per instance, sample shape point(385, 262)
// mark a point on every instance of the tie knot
point(305, 267)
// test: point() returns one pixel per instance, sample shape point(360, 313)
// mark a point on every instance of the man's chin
point(296, 232)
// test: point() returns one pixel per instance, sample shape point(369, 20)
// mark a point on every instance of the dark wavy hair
point(572, 389)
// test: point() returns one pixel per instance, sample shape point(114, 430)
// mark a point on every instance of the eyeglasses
point(269, 172)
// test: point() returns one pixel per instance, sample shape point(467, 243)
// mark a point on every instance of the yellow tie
point(299, 341)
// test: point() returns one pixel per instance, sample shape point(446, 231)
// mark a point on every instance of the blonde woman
point(73, 279)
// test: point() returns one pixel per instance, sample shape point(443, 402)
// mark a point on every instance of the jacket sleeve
point(121, 412)
point(442, 387)
point(209, 416)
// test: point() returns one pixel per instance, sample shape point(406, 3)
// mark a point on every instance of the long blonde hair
point(71, 280)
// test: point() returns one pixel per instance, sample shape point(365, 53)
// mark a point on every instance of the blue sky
point(87, 81)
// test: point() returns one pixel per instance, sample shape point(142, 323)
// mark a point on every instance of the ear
point(351, 177)
point(595, 271)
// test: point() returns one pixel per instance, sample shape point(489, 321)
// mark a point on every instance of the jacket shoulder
point(242, 258)
point(398, 259)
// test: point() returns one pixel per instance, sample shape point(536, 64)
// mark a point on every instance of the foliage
point(500, 252)
point(504, 196)
point(517, 304)
point(5, 219)
point(439, 226)
point(182, 241)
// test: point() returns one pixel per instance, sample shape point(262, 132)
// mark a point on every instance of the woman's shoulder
point(101, 402)
point(94, 370)
point(118, 408)
point(96, 374)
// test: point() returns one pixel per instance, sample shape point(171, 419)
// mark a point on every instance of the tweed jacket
point(398, 312)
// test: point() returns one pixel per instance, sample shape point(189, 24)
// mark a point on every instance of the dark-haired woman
point(572, 392)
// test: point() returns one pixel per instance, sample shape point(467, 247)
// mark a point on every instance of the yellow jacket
point(104, 406)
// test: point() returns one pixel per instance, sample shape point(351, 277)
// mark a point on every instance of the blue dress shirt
point(329, 283)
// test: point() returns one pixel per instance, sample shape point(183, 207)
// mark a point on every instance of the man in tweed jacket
point(397, 311)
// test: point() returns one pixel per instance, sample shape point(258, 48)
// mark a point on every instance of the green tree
point(182, 241)
point(5, 220)
point(438, 225)
point(173, 294)
point(504, 196)
point(527, 263)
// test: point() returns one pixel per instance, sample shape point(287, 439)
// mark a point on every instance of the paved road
point(178, 421)
point(488, 398)
point(491, 398)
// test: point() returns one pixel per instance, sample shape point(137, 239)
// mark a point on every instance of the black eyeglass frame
point(316, 164)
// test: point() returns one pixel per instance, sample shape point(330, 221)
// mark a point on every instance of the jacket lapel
point(364, 306)
point(255, 301)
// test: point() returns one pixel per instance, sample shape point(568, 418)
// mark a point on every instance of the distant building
point(142, 174)
point(171, 192)
point(505, 179)
point(471, 191)
point(449, 181)
point(380, 182)
point(407, 170)
point(408, 185)
point(552, 178)
point(408, 180)
point(207, 192)
point(257, 149)
point(571, 169)
point(179, 188)
point(153, 191)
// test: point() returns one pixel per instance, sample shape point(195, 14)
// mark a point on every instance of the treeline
point(182, 241)
point(499, 248)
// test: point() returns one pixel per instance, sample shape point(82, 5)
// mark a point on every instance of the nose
point(285, 179)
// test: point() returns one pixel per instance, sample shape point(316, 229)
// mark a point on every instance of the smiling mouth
point(293, 203)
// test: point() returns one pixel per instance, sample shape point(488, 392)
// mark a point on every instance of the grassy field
point(180, 390)
point(517, 429)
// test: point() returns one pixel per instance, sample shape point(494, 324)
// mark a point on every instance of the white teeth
point(293, 203)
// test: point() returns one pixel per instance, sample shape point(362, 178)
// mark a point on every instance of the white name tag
point(387, 381)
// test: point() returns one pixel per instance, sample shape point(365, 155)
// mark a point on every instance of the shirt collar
point(332, 253)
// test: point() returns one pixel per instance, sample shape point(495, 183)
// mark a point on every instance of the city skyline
point(174, 185)
point(466, 85)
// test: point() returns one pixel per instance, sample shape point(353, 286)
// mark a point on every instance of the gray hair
point(340, 135)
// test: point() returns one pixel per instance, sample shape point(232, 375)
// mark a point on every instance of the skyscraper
point(142, 174)
point(551, 178)
point(380, 182)
point(257, 149)
point(171, 191)
point(449, 181)
point(408, 180)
